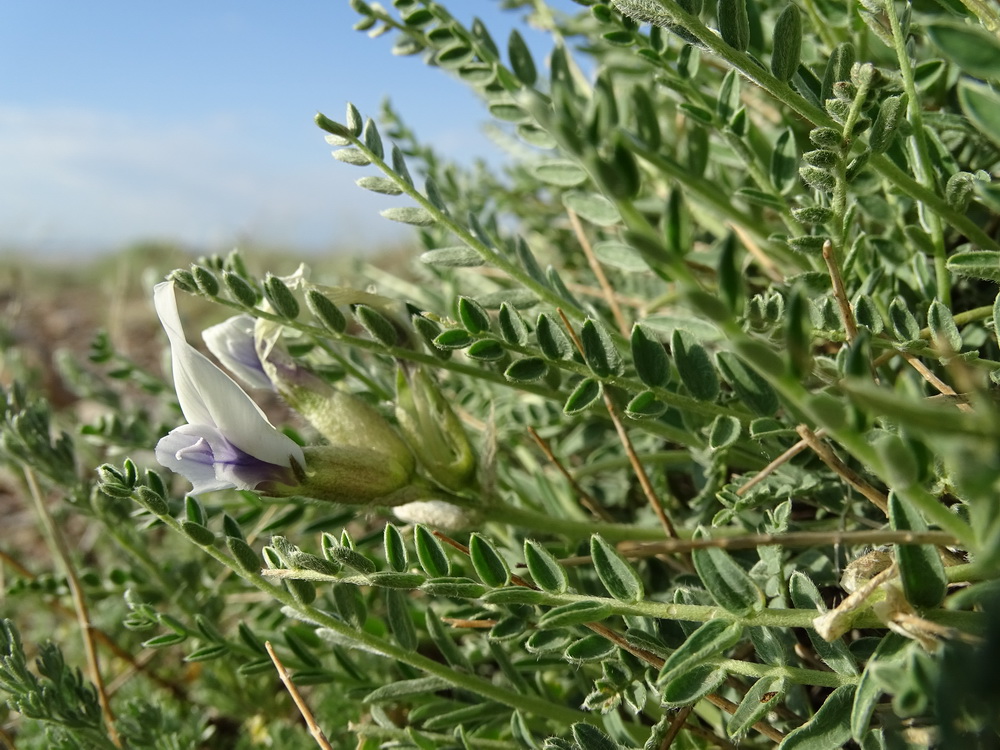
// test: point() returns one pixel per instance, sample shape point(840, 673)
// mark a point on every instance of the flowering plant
point(680, 432)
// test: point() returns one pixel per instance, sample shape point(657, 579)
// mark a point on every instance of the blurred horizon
point(192, 124)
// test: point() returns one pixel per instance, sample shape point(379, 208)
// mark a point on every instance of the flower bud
point(433, 431)
point(353, 476)
point(341, 418)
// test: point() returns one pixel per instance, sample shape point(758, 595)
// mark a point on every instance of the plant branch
point(364, 640)
point(58, 546)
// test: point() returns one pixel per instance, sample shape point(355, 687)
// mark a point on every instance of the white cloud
point(76, 179)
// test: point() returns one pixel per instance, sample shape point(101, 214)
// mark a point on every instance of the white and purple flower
point(228, 442)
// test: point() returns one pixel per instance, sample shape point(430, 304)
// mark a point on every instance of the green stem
point(840, 189)
point(921, 155)
point(773, 618)
point(543, 291)
point(820, 25)
point(361, 639)
point(798, 675)
point(572, 527)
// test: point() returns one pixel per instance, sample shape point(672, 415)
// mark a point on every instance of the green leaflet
point(749, 386)
point(472, 315)
point(724, 431)
point(378, 326)
point(708, 641)
point(545, 570)
point(415, 215)
point(730, 586)
point(615, 572)
point(586, 392)
point(981, 105)
point(620, 256)
point(977, 265)
point(787, 43)
point(943, 329)
point(902, 321)
point(593, 207)
point(836, 655)
point(890, 115)
point(694, 366)
point(552, 340)
point(692, 685)
point(511, 324)
point(490, 566)
point(452, 257)
point(734, 24)
point(400, 623)
point(599, 350)
point(589, 648)
point(828, 729)
point(920, 568)
point(868, 690)
point(784, 162)
point(589, 737)
point(767, 691)
point(972, 49)
point(650, 358)
point(575, 613)
point(430, 552)
point(560, 172)
point(526, 370)
point(520, 59)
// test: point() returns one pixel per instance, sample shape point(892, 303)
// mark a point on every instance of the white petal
point(210, 397)
point(232, 342)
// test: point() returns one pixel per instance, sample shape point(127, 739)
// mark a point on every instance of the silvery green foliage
point(736, 283)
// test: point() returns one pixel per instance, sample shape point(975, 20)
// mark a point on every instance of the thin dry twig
point(586, 499)
point(784, 458)
point(845, 472)
point(583, 290)
point(300, 704)
point(595, 266)
point(730, 708)
point(675, 727)
point(457, 622)
point(840, 293)
point(6, 741)
point(61, 551)
point(934, 380)
point(637, 467)
point(768, 265)
point(638, 551)
point(705, 734)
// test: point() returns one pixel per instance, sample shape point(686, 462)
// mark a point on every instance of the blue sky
point(192, 121)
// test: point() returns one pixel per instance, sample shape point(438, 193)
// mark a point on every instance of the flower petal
point(203, 455)
point(178, 452)
point(232, 342)
point(210, 397)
